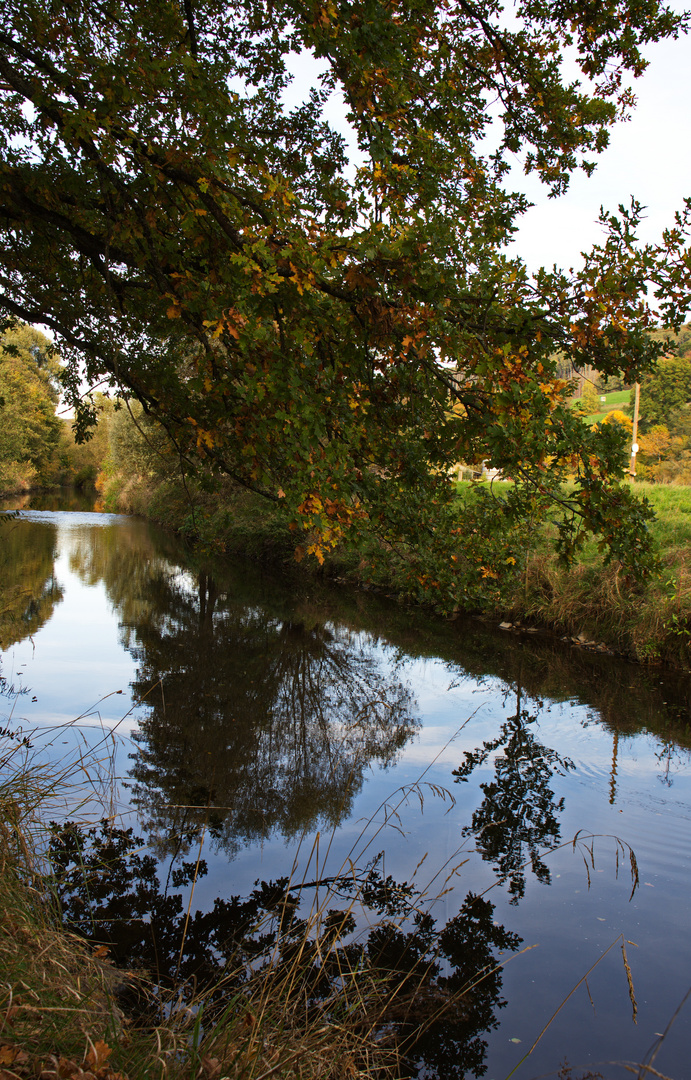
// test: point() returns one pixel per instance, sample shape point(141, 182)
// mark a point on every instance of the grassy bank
point(61, 1015)
point(649, 622)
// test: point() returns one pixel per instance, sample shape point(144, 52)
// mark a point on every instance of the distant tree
point(616, 416)
point(588, 403)
point(680, 422)
point(664, 391)
point(30, 430)
point(683, 341)
point(84, 460)
point(609, 384)
point(664, 451)
point(655, 445)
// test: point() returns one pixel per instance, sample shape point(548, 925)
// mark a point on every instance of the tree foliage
point(29, 427)
point(664, 391)
point(304, 323)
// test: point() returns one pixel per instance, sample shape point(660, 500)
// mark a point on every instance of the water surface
point(264, 712)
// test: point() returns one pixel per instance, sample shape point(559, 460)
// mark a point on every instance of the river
point(281, 721)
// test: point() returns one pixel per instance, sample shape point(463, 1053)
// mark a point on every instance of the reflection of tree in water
point(30, 592)
point(267, 722)
point(128, 563)
point(259, 719)
point(441, 986)
point(517, 819)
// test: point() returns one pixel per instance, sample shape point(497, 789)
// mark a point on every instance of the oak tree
point(337, 330)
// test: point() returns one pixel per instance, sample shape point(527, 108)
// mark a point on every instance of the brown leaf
point(68, 1069)
point(211, 1068)
point(13, 1055)
point(98, 1055)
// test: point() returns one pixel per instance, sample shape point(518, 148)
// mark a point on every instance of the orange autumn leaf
point(99, 1054)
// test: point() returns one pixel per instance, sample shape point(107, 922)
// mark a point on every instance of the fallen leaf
point(211, 1067)
point(98, 1055)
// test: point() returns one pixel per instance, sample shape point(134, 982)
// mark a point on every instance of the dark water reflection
point(272, 708)
point(517, 823)
point(29, 589)
point(260, 718)
point(105, 881)
point(268, 722)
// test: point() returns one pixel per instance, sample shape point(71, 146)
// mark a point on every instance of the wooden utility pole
point(634, 436)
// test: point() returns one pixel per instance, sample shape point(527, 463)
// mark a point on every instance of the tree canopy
point(336, 333)
point(664, 391)
point(29, 428)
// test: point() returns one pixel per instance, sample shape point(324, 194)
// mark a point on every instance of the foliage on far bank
point(37, 445)
point(30, 431)
point(648, 620)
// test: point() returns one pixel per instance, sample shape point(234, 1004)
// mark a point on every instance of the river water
point(284, 721)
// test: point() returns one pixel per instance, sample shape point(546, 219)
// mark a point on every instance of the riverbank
point(62, 1014)
point(592, 605)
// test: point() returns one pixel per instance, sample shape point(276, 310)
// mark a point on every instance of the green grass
point(650, 621)
point(616, 400)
